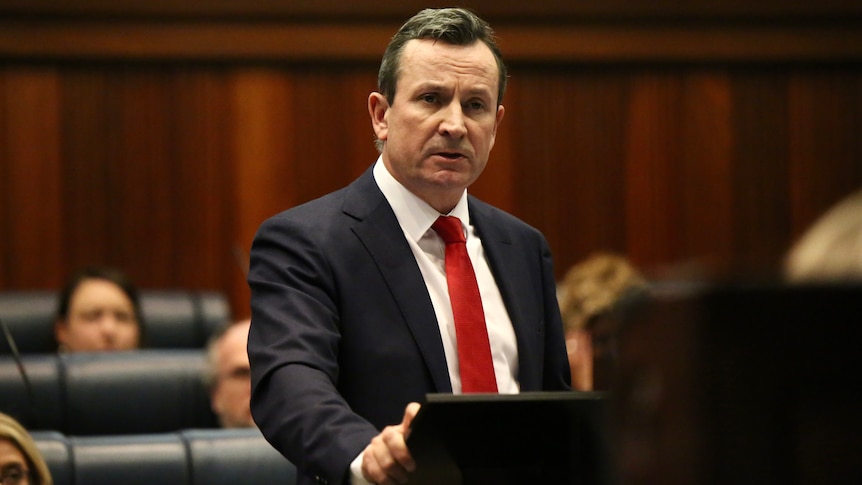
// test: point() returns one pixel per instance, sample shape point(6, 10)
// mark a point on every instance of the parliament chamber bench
point(186, 457)
point(108, 393)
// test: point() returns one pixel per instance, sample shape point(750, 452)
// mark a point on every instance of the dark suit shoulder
point(355, 201)
point(488, 218)
point(315, 211)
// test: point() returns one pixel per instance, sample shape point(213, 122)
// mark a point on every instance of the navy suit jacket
point(343, 331)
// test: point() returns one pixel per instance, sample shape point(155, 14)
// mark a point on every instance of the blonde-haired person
point(588, 294)
point(21, 462)
point(831, 249)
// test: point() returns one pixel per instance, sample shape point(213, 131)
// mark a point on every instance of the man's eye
point(237, 374)
point(91, 316)
point(476, 105)
point(241, 373)
point(124, 317)
point(429, 98)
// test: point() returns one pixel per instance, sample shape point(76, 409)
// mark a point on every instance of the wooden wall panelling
point(31, 155)
point(325, 120)
point(357, 135)
point(202, 255)
point(493, 9)
point(705, 227)
point(301, 131)
point(496, 185)
point(825, 133)
point(678, 153)
point(670, 132)
point(534, 122)
point(653, 150)
point(90, 146)
point(567, 137)
point(591, 204)
point(761, 201)
point(263, 137)
point(146, 179)
point(5, 183)
point(548, 31)
point(143, 176)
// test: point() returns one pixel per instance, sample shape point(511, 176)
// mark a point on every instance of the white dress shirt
point(415, 217)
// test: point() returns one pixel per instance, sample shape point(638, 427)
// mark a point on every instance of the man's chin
point(452, 178)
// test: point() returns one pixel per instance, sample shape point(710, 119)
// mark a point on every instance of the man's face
point(232, 392)
point(441, 126)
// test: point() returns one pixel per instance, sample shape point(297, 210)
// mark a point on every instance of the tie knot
point(449, 228)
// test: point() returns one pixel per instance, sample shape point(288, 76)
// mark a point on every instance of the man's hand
point(386, 460)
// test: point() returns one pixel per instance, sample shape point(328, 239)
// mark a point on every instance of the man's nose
point(452, 124)
point(109, 323)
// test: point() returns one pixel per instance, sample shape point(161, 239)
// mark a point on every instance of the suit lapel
point(513, 277)
point(380, 233)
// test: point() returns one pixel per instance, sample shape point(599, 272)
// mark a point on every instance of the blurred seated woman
point(99, 310)
point(590, 294)
point(21, 463)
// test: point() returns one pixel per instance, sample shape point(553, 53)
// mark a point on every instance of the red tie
point(474, 351)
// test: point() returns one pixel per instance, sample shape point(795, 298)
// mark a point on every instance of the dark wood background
point(156, 136)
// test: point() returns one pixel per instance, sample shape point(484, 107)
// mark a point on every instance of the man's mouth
point(450, 155)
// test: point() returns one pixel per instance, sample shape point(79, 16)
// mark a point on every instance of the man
point(229, 375)
point(351, 317)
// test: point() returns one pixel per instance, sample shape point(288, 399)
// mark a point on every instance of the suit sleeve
point(557, 373)
point(293, 350)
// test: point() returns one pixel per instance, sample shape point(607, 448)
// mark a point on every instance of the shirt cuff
point(356, 476)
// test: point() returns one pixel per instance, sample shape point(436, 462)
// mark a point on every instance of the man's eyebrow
point(430, 86)
point(481, 91)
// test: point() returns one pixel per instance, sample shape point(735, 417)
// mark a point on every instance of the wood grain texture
point(704, 137)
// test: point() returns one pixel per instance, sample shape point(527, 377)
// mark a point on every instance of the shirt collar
point(414, 214)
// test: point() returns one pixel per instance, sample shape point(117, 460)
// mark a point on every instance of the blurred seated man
point(831, 249)
point(588, 294)
point(229, 375)
point(21, 462)
point(98, 310)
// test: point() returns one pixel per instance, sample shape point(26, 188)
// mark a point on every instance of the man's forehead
point(476, 53)
point(433, 60)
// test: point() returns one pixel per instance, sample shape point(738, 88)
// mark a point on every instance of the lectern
point(527, 438)
point(741, 383)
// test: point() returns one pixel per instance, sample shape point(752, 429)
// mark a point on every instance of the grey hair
point(456, 26)
point(210, 375)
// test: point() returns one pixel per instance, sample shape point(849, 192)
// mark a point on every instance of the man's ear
point(216, 403)
point(61, 332)
point(378, 108)
point(497, 119)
